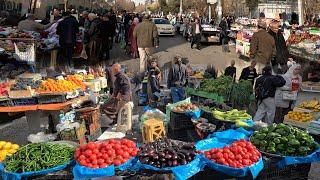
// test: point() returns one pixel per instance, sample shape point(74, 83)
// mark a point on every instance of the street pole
point(300, 8)
point(180, 10)
point(219, 9)
point(210, 12)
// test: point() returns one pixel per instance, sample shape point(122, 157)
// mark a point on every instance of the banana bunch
point(313, 105)
point(233, 115)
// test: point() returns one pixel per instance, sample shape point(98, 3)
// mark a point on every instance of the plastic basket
point(291, 172)
point(180, 121)
point(52, 98)
point(25, 101)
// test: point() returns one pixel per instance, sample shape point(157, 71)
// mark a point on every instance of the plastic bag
point(153, 114)
point(289, 160)
point(127, 165)
point(82, 172)
point(17, 176)
point(254, 169)
point(180, 172)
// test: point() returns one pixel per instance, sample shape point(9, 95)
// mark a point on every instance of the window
point(161, 21)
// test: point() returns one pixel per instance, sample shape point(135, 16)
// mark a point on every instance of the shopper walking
point(265, 89)
point(279, 63)
point(285, 96)
point(67, 30)
point(146, 34)
point(95, 42)
point(133, 40)
point(262, 46)
point(196, 31)
point(105, 29)
point(223, 35)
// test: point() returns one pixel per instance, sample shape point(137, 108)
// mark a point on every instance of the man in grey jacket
point(177, 80)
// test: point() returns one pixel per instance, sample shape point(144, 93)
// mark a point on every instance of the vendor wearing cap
point(262, 46)
point(279, 63)
point(177, 79)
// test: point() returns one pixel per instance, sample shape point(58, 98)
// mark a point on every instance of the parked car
point(164, 27)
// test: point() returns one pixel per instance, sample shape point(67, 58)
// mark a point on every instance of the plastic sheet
point(127, 165)
point(194, 114)
point(153, 114)
point(17, 176)
point(231, 134)
point(236, 172)
point(82, 172)
point(180, 172)
point(169, 107)
point(289, 160)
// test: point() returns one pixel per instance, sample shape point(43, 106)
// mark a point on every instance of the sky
point(139, 1)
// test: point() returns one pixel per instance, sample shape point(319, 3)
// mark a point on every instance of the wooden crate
point(29, 93)
point(302, 125)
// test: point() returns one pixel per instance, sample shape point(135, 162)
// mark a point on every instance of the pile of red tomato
point(103, 154)
point(238, 155)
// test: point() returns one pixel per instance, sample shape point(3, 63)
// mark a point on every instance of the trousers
point(196, 40)
point(144, 53)
point(266, 110)
point(178, 94)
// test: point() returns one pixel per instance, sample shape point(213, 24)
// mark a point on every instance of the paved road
point(17, 130)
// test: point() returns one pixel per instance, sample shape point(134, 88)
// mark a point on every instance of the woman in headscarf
point(285, 96)
point(132, 40)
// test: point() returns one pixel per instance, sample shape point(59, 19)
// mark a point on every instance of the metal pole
point(209, 12)
point(219, 9)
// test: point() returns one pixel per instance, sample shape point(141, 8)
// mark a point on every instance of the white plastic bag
point(28, 56)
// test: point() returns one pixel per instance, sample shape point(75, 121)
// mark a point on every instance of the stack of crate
point(91, 117)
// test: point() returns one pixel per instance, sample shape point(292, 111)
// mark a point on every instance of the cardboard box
point(95, 85)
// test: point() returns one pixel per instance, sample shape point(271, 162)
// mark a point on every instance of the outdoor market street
point(17, 130)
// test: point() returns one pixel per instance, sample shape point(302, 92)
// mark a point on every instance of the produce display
point(232, 115)
point(284, 140)
point(313, 105)
point(23, 85)
point(242, 93)
point(20, 35)
point(210, 105)
point(76, 80)
point(7, 149)
point(300, 116)
point(60, 85)
point(166, 153)
point(39, 156)
point(186, 107)
point(238, 155)
point(103, 154)
point(3, 89)
point(297, 38)
point(222, 85)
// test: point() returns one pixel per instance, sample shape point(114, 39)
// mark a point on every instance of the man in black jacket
point(105, 29)
point(265, 87)
point(67, 30)
point(223, 35)
point(231, 70)
point(282, 53)
point(249, 73)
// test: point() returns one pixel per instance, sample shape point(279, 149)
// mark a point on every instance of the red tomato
point(232, 164)
point(77, 153)
point(100, 161)
point(238, 157)
point(95, 151)
point(117, 146)
point(110, 152)
point(103, 165)
point(88, 152)
point(89, 165)
point(219, 155)
point(209, 156)
point(134, 152)
point(245, 162)
point(219, 150)
point(117, 162)
point(111, 141)
point(95, 166)
point(221, 160)
point(109, 161)
point(227, 150)
point(214, 150)
point(105, 156)
point(83, 147)
point(245, 156)
point(231, 155)
point(91, 145)
point(93, 157)
point(94, 162)
point(119, 152)
point(83, 163)
point(206, 153)
point(82, 157)
point(126, 154)
point(225, 155)
point(244, 150)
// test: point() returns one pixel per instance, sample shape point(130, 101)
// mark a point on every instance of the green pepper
point(291, 136)
point(281, 147)
point(272, 144)
point(277, 140)
point(293, 142)
point(264, 130)
point(271, 149)
point(263, 143)
point(284, 139)
point(290, 150)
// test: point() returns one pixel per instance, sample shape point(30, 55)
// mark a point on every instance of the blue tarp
point(289, 160)
point(180, 172)
point(17, 176)
point(231, 134)
point(82, 172)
